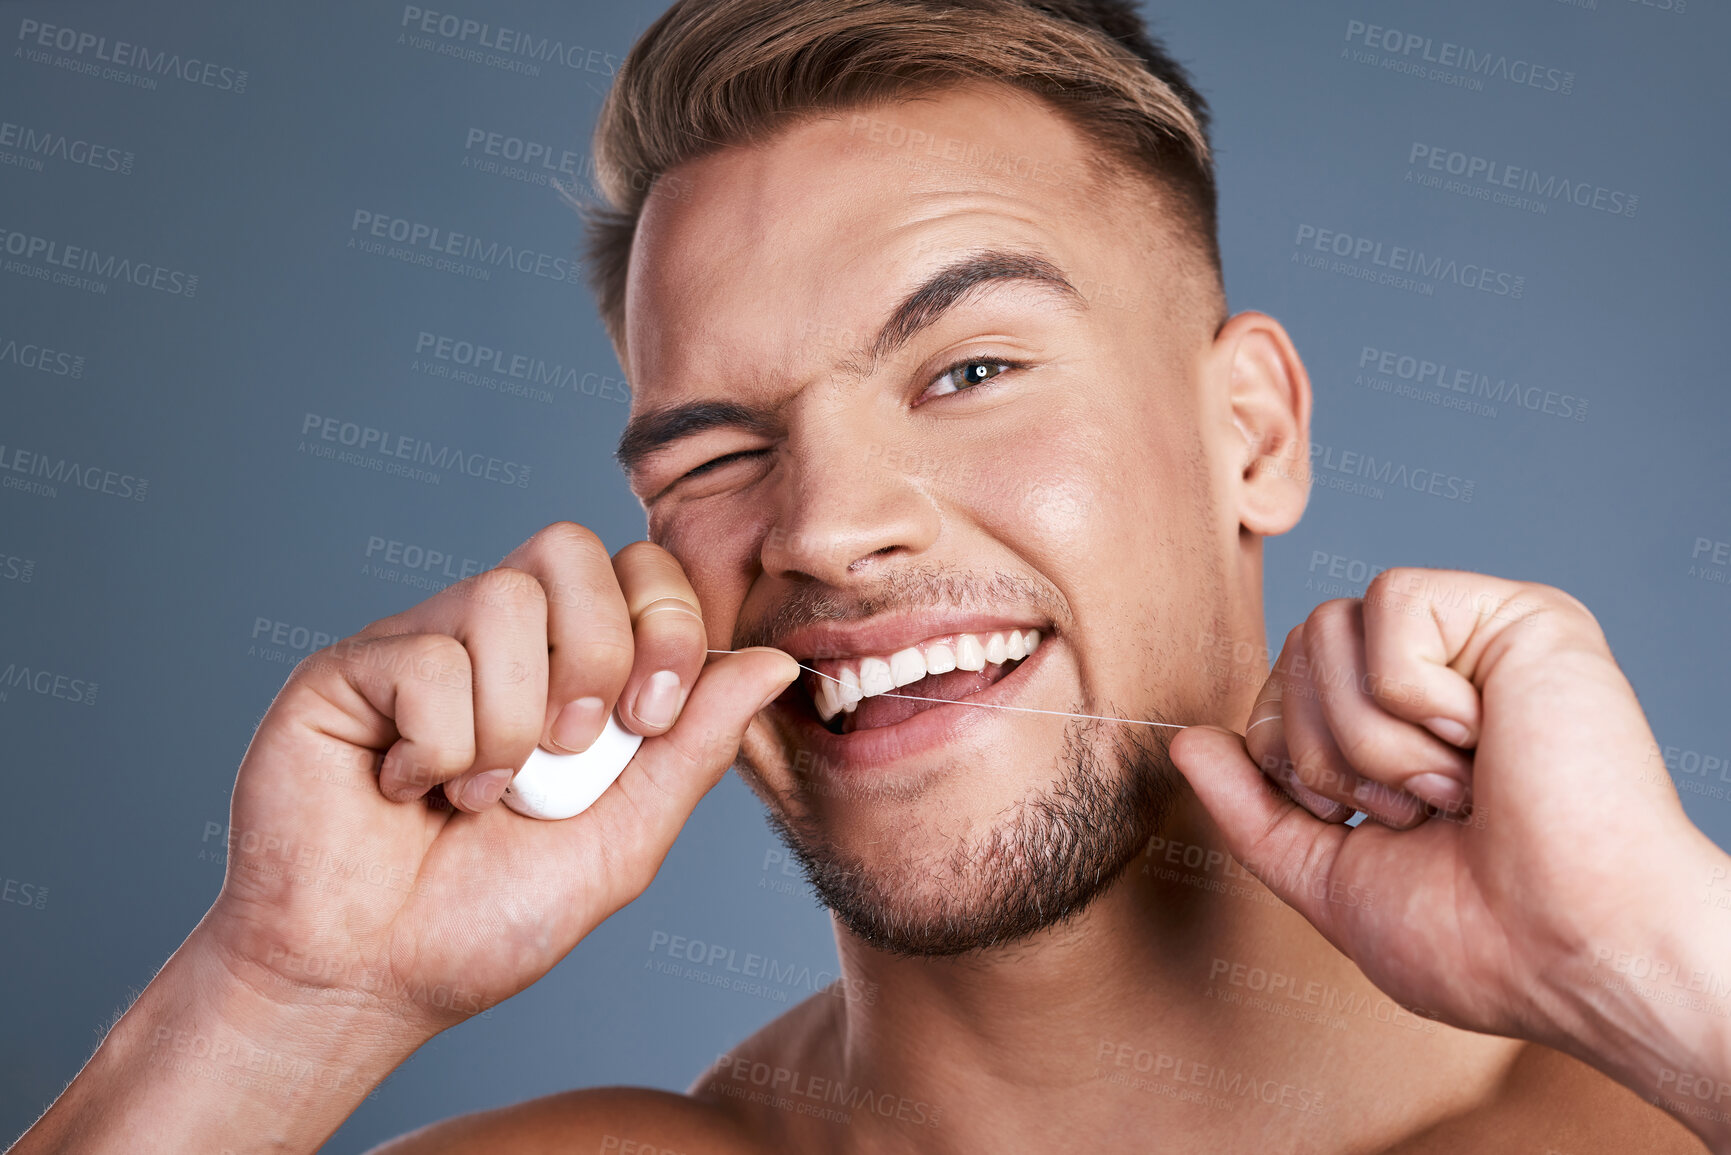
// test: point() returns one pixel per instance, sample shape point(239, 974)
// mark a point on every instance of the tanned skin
point(1113, 490)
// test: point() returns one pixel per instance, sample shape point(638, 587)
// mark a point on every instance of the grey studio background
point(1539, 393)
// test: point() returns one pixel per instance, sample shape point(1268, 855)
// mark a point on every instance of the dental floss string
point(1017, 709)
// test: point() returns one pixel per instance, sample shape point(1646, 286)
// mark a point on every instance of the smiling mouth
point(865, 692)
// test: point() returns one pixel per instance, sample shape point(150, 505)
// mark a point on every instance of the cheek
point(1054, 497)
point(1059, 511)
point(718, 559)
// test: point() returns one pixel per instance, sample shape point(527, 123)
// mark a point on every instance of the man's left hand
point(1523, 839)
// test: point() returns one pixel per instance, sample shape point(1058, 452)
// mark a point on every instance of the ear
point(1262, 395)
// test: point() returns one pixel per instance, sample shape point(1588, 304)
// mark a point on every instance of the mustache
point(905, 589)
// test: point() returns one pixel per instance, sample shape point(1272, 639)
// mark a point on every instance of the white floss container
point(563, 785)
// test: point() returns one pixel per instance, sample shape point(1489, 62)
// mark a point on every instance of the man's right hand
point(346, 883)
point(361, 913)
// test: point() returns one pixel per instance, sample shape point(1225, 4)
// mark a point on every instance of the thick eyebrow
point(948, 286)
point(649, 433)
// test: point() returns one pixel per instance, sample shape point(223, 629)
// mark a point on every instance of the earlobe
point(1268, 395)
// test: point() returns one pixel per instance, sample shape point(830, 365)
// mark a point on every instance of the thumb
point(1288, 849)
point(661, 786)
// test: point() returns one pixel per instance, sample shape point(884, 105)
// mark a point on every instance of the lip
point(929, 730)
point(888, 633)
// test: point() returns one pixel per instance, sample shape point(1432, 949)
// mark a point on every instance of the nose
point(847, 506)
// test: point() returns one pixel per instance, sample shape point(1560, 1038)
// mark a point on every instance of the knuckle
point(1334, 610)
point(398, 623)
point(386, 627)
point(434, 644)
point(1561, 601)
point(1268, 754)
point(1393, 588)
point(1393, 692)
point(1396, 577)
point(441, 652)
point(1289, 650)
point(1318, 627)
point(605, 660)
point(641, 551)
point(413, 661)
point(1314, 767)
point(565, 538)
point(703, 751)
point(668, 624)
point(511, 737)
point(339, 654)
point(451, 756)
point(315, 665)
point(566, 548)
point(1365, 749)
point(1302, 763)
point(572, 595)
point(508, 590)
point(1556, 618)
point(428, 763)
point(1405, 686)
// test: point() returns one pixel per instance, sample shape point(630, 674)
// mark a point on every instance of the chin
point(912, 869)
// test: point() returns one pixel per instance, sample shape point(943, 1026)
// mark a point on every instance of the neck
point(1185, 1001)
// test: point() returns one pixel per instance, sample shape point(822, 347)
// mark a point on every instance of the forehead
point(781, 258)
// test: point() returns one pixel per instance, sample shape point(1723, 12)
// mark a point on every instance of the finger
point(635, 821)
point(668, 636)
point(1277, 840)
point(1317, 759)
point(502, 623)
point(588, 643)
point(1265, 732)
point(1374, 743)
point(1422, 632)
point(409, 695)
point(1265, 737)
point(500, 617)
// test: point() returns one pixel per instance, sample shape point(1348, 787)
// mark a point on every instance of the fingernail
point(1439, 790)
point(658, 700)
point(1385, 803)
point(484, 789)
point(1283, 772)
point(578, 725)
point(1449, 731)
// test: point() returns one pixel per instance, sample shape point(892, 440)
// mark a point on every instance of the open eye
point(968, 374)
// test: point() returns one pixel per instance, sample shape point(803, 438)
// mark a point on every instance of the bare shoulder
point(720, 1114)
point(1552, 1104)
point(626, 1120)
point(766, 1084)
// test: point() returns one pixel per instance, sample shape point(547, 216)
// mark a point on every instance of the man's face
point(1015, 458)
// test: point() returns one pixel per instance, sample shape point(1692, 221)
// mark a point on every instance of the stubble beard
point(1044, 863)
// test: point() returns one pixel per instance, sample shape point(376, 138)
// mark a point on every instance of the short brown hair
point(708, 74)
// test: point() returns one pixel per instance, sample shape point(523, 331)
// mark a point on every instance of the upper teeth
point(869, 677)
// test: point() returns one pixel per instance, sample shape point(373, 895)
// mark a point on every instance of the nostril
point(886, 551)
